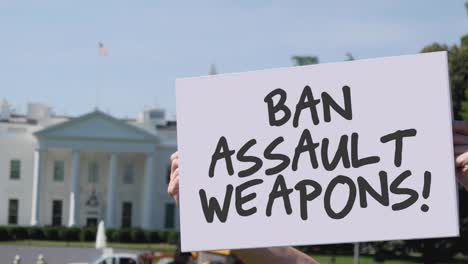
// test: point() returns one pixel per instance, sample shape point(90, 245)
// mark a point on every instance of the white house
point(57, 170)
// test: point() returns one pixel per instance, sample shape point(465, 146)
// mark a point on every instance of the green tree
point(459, 78)
point(349, 56)
point(464, 41)
point(305, 60)
point(458, 68)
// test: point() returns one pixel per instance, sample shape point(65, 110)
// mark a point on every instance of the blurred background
point(49, 48)
point(123, 57)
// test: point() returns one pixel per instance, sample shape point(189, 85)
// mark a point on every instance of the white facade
point(77, 171)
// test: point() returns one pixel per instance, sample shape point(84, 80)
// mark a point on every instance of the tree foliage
point(305, 60)
point(458, 68)
point(349, 56)
point(464, 41)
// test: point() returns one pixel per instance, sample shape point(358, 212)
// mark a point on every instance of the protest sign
point(320, 154)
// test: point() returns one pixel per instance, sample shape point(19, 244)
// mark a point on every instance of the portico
point(97, 152)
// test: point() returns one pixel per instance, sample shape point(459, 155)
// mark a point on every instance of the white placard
point(320, 154)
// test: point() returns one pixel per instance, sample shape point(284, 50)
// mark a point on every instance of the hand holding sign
point(460, 139)
point(173, 186)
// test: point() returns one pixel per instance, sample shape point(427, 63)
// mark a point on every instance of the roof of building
point(96, 113)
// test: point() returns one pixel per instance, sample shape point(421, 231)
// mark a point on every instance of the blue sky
point(49, 49)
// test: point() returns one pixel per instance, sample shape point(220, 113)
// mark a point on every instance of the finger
point(461, 160)
point(169, 188)
point(175, 174)
point(176, 185)
point(460, 149)
point(459, 139)
point(175, 155)
point(173, 187)
point(174, 165)
point(460, 127)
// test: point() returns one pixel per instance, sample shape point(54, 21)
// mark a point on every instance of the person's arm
point(248, 256)
point(273, 255)
point(460, 141)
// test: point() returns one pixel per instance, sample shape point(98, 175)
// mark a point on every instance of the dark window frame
point(129, 173)
point(93, 171)
point(126, 260)
point(92, 221)
point(13, 211)
point(15, 169)
point(59, 164)
point(57, 212)
point(127, 209)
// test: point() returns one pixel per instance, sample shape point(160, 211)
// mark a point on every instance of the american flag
point(102, 50)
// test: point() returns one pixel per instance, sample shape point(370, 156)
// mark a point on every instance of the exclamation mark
point(426, 190)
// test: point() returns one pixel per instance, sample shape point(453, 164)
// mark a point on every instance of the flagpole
point(102, 53)
point(97, 98)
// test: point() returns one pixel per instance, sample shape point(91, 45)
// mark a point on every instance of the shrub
point(173, 237)
point(164, 236)
point(69, 234)
point(121, 235)
point(153, 236)
point(35, 233)
point(115, 235)
point(138, 235)
point(110, 235)
point(51, 233)
point(88, 234)
point(125, 236)
point(18, 232)
point(4, 235)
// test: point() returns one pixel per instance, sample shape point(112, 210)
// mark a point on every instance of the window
point(126, 214)
point(59, 170)
point(156, 114)
point(126, 261)
point(91, 222)
point(93, 172)
point(13, 211)
point(110, 260)
point(57, 212)
point(15, 169)
point(170, 215)
point(129, 172)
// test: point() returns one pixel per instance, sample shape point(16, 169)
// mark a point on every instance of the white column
point(73, 217)
point(37, 178)
point(148, 190)
point(111, 191)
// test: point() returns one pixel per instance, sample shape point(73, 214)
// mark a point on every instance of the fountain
point(101, 239)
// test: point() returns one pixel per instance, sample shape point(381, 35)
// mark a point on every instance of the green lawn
point(349, 260)
point(370, 260)
point(134, 246)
